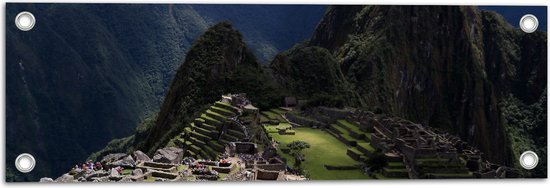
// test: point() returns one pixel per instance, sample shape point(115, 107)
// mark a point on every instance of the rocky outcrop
point(137, 172)
point(65, 178)
point(96, 174)
point(46, 180)
point(140, 156)
point(126, 162)
point(113, 157)
point(171, 155)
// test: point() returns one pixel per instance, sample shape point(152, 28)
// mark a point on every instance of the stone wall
point(243, 147)
point(267, 175)
point(303, 120)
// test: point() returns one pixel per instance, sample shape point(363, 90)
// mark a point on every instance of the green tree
point(376, 162)
point(296, 148)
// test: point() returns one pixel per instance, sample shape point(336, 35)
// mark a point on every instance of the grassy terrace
point(221, 109)
point(396, 165)
point(263, 119)
point(325, 149)
point(366, 146)
point(224, 104)
point(340, 129)
point(276, 128)
point(278, 111)
point(205, 116)
point(273, 116)
point(351, 126)
point(216, 114)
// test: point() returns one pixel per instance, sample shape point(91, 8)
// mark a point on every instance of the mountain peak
point(219, 62)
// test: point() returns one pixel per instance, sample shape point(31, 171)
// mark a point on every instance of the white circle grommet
point(25, 21)
point(25, 163)
point(528, 160)
point(529, 23)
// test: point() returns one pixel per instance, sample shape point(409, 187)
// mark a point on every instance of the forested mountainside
point(88, 73)
point(458, 69)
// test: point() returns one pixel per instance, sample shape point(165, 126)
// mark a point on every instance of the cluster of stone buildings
point(214, 143)
point(426, 153)
point(415, 151)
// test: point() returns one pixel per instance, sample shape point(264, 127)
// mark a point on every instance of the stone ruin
point(121, 167)
point(426, 153)
point(242, 148)
point(412, 150)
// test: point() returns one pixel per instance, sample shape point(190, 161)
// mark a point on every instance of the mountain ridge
point(447, 67)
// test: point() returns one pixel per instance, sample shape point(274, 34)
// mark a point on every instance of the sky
point(514, 13)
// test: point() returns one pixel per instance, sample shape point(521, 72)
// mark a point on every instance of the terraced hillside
point(358, 139)
point(325, 160)
point(441, 168)
point(207, 136)
point(273, 122)
point(409, 150)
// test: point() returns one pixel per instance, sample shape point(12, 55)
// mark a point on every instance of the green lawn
point(325, 149)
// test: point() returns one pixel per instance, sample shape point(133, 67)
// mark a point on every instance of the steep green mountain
point(88, 73)
point(218, 63)
point(457, 69)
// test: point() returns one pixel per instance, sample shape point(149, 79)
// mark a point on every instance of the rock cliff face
point(444, 66)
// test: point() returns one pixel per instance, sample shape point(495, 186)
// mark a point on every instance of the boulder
point(113, 157)
point(115, 178)
point(126, 179)
point(46, 180)
point(78, 174)
point(171, 155)
point(114, 172)
point(138, 178)
point(96, 174)
point(101, 179)
point(126, 162)
point(81, 179)
point(137, 172)
point(114, 175)
point(140, 156)
point(65, 178)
